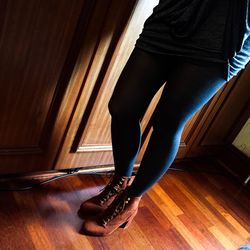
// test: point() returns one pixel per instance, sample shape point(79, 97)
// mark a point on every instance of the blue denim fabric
point(246, 247)
point(240, 60)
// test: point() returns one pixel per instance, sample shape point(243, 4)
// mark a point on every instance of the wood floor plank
point(238, 227)
point(205, 237)
point(217, 218)
point(153, 230)
point(139, 238)
point(167, 200)
point(170, 231)
point(223, 238)
point(12, 225)
point(187, 235)
point(242, 233)
point(201, 204)
point(194, 220)
point(181, 243)
point(186, 205)
point(227, 198)
point(194, 186)
point(33, 223)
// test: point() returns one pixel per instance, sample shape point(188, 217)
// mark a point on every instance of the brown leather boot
point(99, 203)
point(119, 214)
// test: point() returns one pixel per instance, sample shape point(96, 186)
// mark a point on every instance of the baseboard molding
point(52, 173)
point(102, 169)
point(235, 162)
point(30, 178)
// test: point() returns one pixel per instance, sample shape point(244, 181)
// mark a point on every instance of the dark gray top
point(203, 31)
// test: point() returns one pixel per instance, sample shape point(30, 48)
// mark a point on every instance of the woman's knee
point(121, 109)
point(167, 124)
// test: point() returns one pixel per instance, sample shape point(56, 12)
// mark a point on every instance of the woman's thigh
point(142, 76)
point(188, 89)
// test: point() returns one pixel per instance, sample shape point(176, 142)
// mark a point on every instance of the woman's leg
point(141, 78)
point(189, 87)
point(143, 74)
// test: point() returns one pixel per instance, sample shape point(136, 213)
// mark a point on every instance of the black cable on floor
point(71, 172)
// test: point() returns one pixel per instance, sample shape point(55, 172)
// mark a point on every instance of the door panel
point(88, 141)
point(35, 37)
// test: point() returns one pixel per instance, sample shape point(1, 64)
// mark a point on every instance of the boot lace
point(111, 190)
point(117, 208)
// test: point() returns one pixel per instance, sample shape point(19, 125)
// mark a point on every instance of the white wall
point(242, 140)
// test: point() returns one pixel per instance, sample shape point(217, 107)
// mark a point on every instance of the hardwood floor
point(184, 210)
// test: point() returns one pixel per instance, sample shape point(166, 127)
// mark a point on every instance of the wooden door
point(37, 53)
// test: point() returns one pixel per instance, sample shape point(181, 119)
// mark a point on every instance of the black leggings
point(188, 87)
